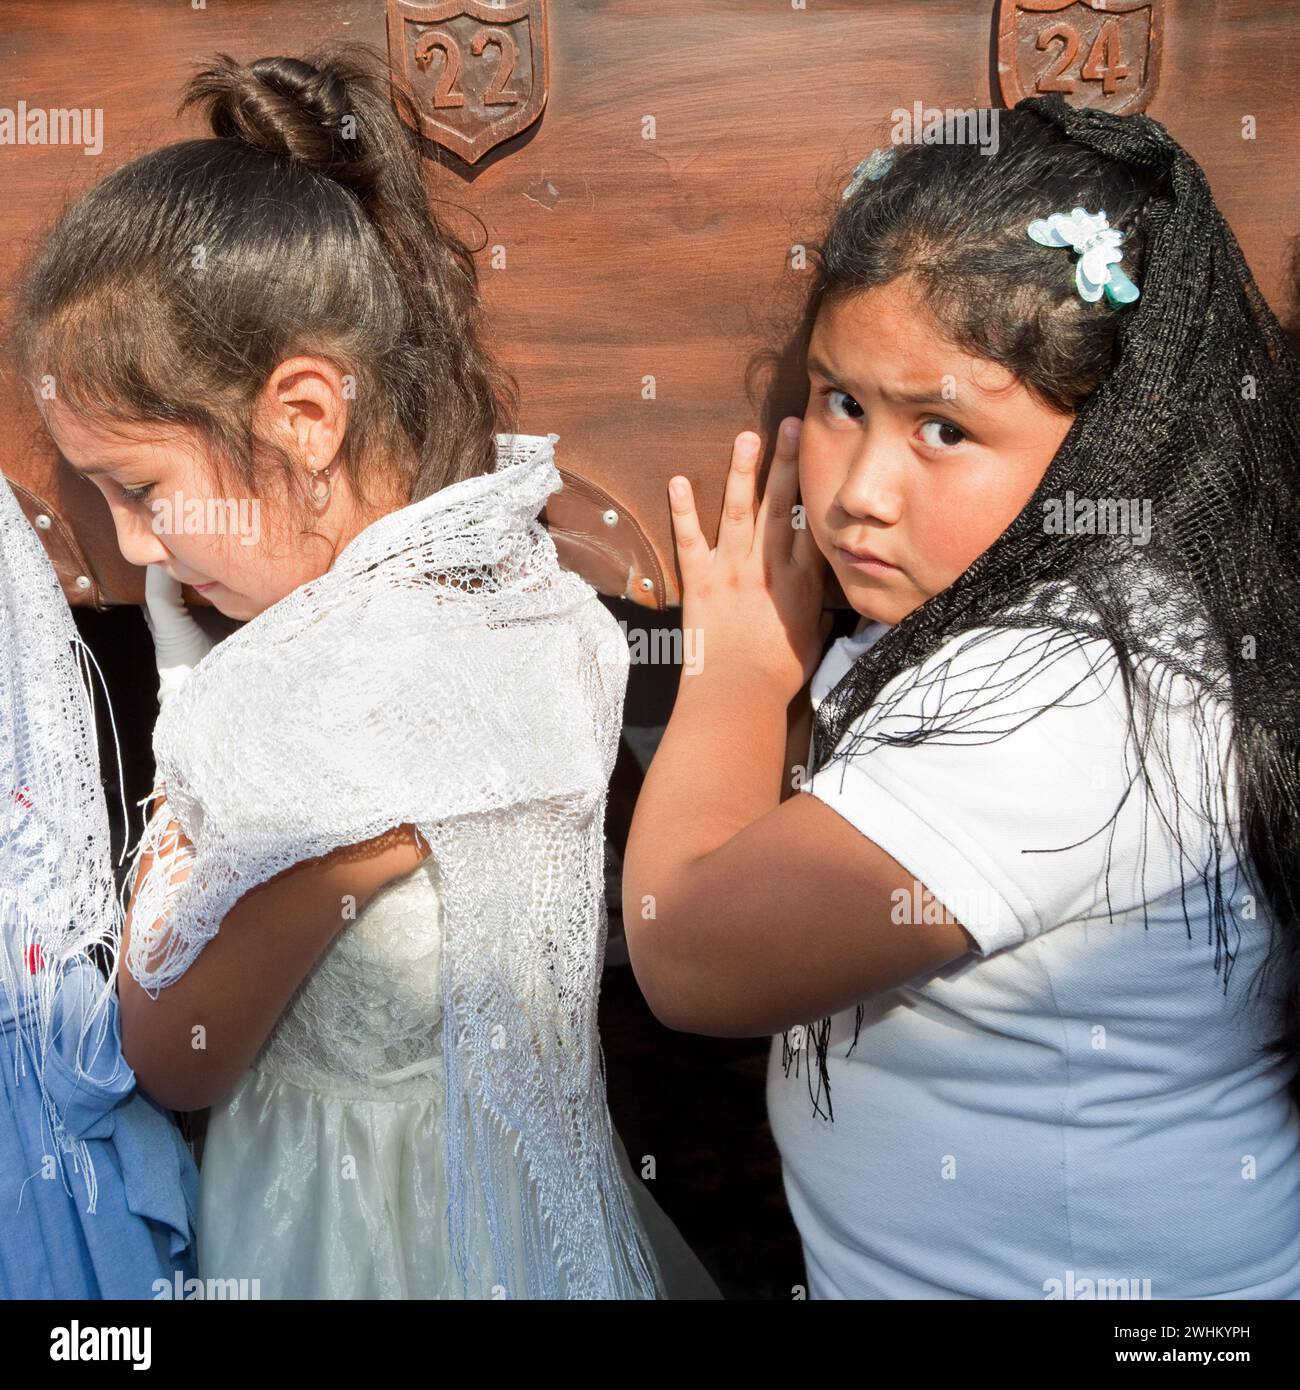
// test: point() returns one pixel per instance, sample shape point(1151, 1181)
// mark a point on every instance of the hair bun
point(285, 106)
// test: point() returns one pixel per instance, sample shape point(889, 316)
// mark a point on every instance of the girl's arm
point(746, 914)
point(189, 1045)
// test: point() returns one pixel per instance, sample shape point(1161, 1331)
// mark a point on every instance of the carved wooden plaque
point(1102, 53)
point(477, 71)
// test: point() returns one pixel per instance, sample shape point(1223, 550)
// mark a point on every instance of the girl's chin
point(868, 602)
point(229, 603)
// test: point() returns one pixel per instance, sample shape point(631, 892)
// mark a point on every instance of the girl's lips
point(870, 566)
point(203, 588)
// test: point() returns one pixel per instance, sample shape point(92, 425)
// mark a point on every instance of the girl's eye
point(853, 411)
point(942, 442)
point(137, 494)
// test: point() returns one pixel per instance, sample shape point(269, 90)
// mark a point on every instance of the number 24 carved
point(1103, 58)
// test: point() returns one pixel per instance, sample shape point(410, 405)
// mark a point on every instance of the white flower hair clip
point(875, 166)
point(1097, 245)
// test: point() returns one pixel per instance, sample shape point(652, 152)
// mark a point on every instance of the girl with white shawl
point(369, 921)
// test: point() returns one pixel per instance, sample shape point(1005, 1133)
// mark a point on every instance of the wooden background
point(610, 259)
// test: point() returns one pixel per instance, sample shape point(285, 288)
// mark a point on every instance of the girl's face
point(912, 452)
point(239, 553)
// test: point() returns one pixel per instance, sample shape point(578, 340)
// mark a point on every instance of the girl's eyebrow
point(90, 471)
point(897, 397)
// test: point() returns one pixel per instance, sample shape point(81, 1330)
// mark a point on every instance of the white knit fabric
point(447, 673)
point(57, 897)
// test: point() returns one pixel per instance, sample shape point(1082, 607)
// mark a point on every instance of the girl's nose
point(873, 487)
point(139, 543)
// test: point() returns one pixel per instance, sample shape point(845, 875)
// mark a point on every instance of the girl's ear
point(304, 402)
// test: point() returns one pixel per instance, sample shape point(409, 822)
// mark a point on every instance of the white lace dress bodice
point(321, 1172)
point(368, 1018)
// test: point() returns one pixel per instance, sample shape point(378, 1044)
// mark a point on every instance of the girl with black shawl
point(1050, 453)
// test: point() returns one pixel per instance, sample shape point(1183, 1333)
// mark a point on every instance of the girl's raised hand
point(756, 598)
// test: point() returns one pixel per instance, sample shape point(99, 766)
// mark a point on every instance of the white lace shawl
point(445, 672)
point(57, 897)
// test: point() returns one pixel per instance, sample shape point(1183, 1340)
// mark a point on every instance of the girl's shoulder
point(1015, 756)
point(1052, 657)
point(981, 672)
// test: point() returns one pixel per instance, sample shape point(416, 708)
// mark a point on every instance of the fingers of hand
point(736, 529)
point(691, 546)
point(805, 552)
point(776, 516)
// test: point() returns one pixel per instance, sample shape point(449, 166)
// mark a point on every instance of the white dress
point(321, 1173)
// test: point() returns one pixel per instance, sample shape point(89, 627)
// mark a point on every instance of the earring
point(321, 484)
